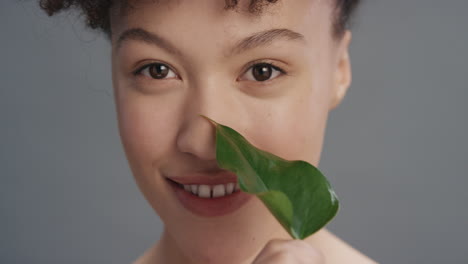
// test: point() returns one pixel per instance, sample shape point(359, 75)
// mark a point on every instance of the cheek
point(294, 128)
point(148, 127)
point(147, 130)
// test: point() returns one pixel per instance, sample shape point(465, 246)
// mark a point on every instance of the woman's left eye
point(156, 71)
point(261, 72)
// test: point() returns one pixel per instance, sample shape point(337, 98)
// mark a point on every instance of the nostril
point(197, 137)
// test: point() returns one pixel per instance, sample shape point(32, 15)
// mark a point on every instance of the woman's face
point(198, 68)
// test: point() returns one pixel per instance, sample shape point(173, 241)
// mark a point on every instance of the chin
point(227, 239)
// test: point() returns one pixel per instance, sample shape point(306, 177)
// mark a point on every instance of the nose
point(197, 138)
point(197, 134)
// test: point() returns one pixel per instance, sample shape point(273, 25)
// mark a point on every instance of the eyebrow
point(262, 38)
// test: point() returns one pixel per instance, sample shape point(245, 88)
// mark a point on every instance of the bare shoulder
point(336, 250)
point(148, 256)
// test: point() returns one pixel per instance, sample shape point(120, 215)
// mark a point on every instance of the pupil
point(262, 72)
point(158, 71)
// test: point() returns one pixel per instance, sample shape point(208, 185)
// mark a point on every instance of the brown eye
point(261, 72)
point(156, 71)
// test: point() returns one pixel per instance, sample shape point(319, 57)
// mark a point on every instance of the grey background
point(396, 150)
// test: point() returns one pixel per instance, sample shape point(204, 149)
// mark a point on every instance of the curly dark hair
point(97, 11)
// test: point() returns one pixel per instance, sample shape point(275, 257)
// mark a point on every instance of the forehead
point(203, 31)
point(306, 16)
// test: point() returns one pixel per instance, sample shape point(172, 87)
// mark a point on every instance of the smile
point(211, 191)
point(209, 196)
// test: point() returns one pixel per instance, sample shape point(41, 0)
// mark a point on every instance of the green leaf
point(295, 192)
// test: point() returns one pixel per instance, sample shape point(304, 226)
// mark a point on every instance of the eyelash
point(249, 67)
point(271, 64)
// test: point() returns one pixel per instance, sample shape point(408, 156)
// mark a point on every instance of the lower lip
point(210, 207)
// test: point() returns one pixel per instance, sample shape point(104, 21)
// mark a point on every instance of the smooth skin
point(163, 133)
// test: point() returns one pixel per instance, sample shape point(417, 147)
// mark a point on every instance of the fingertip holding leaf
point(295, 192)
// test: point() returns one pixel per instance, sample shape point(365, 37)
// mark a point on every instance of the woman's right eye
point(157, 71)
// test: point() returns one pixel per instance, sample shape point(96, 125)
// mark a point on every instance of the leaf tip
point(209, 119)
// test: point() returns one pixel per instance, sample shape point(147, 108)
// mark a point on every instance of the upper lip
point(208, 178)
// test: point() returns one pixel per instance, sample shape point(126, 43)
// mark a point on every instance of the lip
point(220, 177)
point(208, 207)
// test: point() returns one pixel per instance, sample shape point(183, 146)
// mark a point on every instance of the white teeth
point(194, 188)
point(218, 190)
point(211, 191)
point(229, 188)
point(204, 191)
